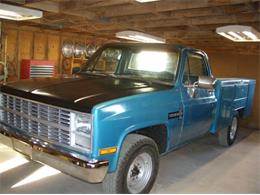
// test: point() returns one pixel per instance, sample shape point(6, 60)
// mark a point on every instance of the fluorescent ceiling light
point(239, 33)
point(12, 12)
point(250, 34)
point(237, 36)
point(139, 36)
point(146, 1)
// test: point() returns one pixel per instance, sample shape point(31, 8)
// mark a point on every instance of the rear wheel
point(228, 136)
point(137, 167)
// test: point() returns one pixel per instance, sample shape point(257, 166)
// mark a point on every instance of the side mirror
point(206, 82)
point(75, 70)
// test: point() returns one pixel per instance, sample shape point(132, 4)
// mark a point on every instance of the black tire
point(134, 145)
point(225, 137)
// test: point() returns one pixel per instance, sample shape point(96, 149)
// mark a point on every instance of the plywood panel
point(40, 44)
point(11, 44)
point(54, 50)
point(26, 45)
point(25, 48)
point(11, 53)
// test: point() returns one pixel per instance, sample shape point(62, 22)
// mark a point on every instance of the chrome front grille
point(42, 121)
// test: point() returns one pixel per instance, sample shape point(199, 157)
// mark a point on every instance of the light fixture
point(12, 12)
point(139, 36)
point(145, 1)
point(239, 33)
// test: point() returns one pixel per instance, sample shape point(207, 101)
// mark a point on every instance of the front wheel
point(137, 167)
point(228, 136)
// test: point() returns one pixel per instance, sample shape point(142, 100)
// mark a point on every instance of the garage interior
point(200, 167)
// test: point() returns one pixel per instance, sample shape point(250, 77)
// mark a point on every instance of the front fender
point(114, 120)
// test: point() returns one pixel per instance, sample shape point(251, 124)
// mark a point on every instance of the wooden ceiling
point(187, 22)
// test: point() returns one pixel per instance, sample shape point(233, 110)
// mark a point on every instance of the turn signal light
point(107, 151)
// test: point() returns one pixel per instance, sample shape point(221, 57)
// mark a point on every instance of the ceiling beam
point(231, 19)
point(90, 4)
point(196, 12)
point(164, 6)
point(49, 6)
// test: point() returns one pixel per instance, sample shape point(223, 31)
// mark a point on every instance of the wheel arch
point(149, 130)
point(158, 133)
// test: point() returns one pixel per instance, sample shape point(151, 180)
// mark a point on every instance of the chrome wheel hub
point(233, 129)
point(139, 173)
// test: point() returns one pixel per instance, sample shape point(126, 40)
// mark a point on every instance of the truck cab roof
point(146, 45)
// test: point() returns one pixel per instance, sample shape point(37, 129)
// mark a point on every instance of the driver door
point(198, 103)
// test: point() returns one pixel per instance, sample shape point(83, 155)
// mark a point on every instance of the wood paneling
point(35, 43)
point(26, 44)
point(12, 44)
point(25, 48)
point(54, 50)
point(12, 52)
point(40, 44)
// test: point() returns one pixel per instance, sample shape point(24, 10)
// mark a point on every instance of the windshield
point(145, 64)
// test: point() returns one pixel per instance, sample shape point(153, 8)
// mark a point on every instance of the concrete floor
point(200, 167)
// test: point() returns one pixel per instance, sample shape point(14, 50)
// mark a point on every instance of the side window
point(194, 68)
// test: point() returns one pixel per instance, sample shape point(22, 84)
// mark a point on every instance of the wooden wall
point(35, 43)
point(237, 65)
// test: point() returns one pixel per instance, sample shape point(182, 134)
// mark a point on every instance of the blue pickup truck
point(128, 105)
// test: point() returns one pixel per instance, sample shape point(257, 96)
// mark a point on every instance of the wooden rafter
point(185, 22)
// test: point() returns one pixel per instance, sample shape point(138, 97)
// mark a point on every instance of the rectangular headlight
point(81, 131)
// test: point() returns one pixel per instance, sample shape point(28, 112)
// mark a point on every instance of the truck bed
point(233, 95)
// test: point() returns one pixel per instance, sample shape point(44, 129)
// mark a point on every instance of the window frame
point(204, 62)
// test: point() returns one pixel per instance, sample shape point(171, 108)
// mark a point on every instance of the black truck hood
point(79, 92)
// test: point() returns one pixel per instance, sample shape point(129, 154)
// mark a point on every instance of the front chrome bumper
point(91, 171)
